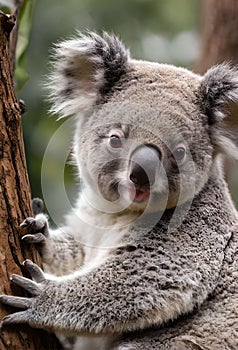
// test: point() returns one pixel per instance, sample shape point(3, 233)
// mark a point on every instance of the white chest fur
point(98, 232)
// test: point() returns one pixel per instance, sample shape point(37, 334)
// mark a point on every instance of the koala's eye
point(179, 153)
point(115, 139)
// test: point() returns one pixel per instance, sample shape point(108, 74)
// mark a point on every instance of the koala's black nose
point(144, 163)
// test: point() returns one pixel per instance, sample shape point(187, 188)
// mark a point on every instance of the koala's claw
point(33, 287)
point(38, 227)
point(36, 238)
point(28, 222)
point(36, 273)
point(29, 285)
point(18, 302)
point(37, 223)
point(17, 317)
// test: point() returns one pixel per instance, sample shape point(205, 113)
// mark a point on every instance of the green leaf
point(25, 20)
point(6, 6)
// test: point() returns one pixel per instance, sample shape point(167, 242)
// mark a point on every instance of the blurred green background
point(156, 30)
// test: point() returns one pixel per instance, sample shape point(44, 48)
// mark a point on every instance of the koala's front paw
point(33, 287)
point(38, 227)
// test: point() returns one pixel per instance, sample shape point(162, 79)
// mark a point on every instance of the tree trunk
point(15, 200)
point(219, 36)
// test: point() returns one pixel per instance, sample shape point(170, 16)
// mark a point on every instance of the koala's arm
point(131, 290)
point(60, 251)
point(213, 327)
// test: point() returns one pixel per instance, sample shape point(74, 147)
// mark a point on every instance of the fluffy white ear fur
point(83, 68)
point(219, 91)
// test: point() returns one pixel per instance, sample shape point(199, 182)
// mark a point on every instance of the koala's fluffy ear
point(219, 99)
point(83, 69)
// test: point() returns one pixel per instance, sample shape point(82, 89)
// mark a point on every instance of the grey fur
point(91, 61)
point(218, 92)
point(219, 86)
point(160, 273)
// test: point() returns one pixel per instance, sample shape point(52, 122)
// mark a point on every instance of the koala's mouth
point(138, 194)
point(141, 195)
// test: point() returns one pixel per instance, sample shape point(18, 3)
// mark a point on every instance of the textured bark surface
point(15, 200)
point(219, 41)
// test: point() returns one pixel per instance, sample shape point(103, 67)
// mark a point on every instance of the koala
point(147, 259)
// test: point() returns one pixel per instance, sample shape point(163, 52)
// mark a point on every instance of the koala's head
point(147, 134)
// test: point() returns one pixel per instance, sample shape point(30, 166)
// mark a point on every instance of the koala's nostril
point(144, 164)
point(138, 176)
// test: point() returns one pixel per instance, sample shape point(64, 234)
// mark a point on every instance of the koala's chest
point(99, 234)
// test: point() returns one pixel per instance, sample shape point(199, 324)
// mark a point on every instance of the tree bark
point(15, 199)
point(219, 34)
